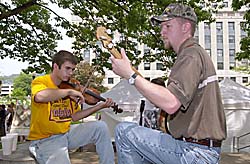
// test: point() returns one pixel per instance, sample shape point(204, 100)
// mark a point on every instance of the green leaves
point(32, 33)
point(245, 42)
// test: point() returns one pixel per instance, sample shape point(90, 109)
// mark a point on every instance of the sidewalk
point(89, 156)
point(235, 158)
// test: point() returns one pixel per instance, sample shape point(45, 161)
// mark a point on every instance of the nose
point(70, 72)
point(162, 33)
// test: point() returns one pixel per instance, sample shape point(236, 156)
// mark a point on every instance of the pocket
point(201, 155)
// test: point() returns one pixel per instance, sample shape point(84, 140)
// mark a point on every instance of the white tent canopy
point(125, 95)
point(234, 95)
point(236, 100)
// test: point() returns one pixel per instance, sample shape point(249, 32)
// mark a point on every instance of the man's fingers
point(123, 53)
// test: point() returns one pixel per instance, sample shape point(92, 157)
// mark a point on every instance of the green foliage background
point(30, 29)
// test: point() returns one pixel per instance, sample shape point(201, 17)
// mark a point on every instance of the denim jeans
point(55, 148)
point(140, 145)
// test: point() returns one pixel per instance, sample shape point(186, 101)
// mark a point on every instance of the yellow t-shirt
point(49, 118)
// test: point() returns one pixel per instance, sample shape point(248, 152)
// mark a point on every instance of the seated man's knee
point(101, 125)
point(122, 127)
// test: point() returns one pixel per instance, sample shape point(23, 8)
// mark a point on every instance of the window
point(86, 54)
point(110, 80)
point(219, 39)
point(220, 79)
point(231, 52)
point(244, 62)
point(233, 78)
point(219, 55)
point(232, 65)
point(231, 39)
point(243, 32)
point(220, 65)
point(146, 66)
point(207, 41)
point(244, 79)
point(231, 26)
point(207, 35)
point(208, 52)
point(219, 27)
point(206, 27)
point(225, 4)
point(147, 78)
point(159, 66)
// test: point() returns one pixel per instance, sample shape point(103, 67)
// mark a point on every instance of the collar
point(187, 43)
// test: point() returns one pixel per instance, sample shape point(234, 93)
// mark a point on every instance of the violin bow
point(90, 77)
point(102, 34)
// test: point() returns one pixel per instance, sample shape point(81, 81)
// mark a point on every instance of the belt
point(206, 142)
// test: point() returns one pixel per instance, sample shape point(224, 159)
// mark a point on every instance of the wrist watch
point(131, 80)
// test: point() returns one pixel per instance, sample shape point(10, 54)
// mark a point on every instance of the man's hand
point(76, 96)
point(107, 104)
point(122, 67)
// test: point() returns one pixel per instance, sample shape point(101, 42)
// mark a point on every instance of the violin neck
point(95, 95)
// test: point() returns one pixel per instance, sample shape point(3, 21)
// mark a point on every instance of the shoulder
point(41, 79)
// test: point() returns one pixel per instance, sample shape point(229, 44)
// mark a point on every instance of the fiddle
point(91, 95)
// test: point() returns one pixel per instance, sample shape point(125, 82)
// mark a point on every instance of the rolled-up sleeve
point(184, 78)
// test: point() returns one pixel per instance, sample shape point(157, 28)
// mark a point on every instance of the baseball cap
point(175, 10)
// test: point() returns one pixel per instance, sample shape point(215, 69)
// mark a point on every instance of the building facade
point(6, 89)
point(221, 39)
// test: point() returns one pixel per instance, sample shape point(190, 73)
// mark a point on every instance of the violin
point(91, 95)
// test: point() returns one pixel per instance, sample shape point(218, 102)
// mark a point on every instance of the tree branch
point(17, 10)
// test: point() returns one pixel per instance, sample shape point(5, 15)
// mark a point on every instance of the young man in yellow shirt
point(53, 109)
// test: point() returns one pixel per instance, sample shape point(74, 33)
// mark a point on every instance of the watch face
point(131, 81)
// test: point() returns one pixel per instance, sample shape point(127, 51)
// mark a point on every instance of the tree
point(22, 85)
point(27, 33)
point(245, 42)
point(87, 74)
point(18, 94)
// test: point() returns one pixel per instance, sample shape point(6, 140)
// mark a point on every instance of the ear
point(55, 66)
point(186, 27)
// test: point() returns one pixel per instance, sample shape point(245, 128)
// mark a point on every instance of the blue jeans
point(140, 145)
point(55, 148)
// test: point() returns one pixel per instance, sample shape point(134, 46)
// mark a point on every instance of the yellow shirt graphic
point(49, 118)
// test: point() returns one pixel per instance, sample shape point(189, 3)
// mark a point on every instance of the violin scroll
point(116, 109)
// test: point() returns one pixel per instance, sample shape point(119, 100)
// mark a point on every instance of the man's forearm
point(85, 113)
point(48, 95)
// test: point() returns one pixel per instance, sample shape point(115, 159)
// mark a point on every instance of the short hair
point(193, 24)
point(62, 56)
point(159, 81)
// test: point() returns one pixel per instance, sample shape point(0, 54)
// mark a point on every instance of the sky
point(10, 66)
